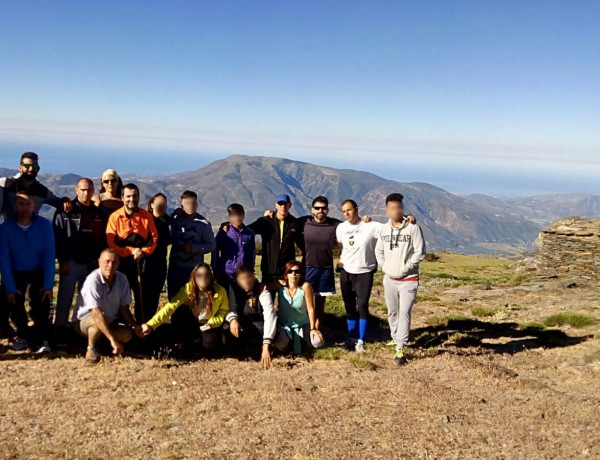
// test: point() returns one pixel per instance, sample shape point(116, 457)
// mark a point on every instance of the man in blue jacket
point(27, 262)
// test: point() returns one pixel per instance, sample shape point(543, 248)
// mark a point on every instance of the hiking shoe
point(360, 347)
point(399, 358)
point(91, 355)
point(20, 345)
point(44, 348)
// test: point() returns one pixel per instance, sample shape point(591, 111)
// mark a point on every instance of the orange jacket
point(120, 226)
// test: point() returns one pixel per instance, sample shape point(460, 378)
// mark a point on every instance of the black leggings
point(186, 330)
point(356, 291)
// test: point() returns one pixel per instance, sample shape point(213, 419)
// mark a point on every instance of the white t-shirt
point(358, 246)
point(97, 293)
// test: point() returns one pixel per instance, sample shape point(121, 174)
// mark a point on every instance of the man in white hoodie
point(399, 250)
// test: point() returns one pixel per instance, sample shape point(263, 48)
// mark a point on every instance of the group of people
point(112, 252)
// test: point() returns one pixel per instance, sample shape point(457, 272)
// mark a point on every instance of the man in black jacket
point(280, 235)
point(80, 236)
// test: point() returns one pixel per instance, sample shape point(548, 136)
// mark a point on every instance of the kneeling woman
point(296, 313)
point(197, 311)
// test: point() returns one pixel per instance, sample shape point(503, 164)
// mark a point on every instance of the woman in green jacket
point(197, 311)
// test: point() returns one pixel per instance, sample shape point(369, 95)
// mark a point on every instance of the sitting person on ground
point(248, 323)
point(197, 312)
point(27, 264)
point(103, 310)
point(296, 312)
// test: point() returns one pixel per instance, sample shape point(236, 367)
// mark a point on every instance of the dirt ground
point(490, 377)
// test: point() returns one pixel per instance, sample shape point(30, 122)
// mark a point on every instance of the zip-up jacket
point(26, 250)
point(277, 251)
point(196, 232)
point(234, 248)
point(80, 234)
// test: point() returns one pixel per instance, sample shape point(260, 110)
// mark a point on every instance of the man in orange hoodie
point(132, 234)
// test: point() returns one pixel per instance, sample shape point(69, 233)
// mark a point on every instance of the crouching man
point(252, 319)
point(102, 308)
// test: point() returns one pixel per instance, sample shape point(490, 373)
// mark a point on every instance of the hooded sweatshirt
point(400, 250)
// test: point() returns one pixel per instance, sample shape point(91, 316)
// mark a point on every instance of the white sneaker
point(45, 348)
point(360, 347)
point(20, 345)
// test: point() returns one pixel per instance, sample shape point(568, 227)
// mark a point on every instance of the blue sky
point(494, 97)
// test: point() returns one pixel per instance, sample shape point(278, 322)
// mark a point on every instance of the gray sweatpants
point(66, 291)
point(399, 298)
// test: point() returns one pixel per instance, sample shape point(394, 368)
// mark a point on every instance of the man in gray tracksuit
point(399, 250)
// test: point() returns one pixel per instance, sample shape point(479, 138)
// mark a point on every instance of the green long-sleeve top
point(220, 307)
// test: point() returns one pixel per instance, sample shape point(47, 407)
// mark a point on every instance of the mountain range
point(471, 224)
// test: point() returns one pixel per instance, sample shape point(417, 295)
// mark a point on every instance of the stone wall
point(569, 249)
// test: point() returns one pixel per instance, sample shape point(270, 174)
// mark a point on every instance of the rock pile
point(569, 248)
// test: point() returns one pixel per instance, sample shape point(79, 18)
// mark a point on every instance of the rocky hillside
point(449, 221)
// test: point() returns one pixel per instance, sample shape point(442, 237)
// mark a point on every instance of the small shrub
point(432, 257)
point(571, 318)
point(330, 353)
point(435, 321)
point(481, 312)
point(362, 363)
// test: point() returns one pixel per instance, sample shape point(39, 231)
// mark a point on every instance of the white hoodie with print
point(399, 250)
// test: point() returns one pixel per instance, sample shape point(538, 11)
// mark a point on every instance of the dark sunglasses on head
point(33, 166)
point(320, 208)
point(110, 181)
point(294, 271)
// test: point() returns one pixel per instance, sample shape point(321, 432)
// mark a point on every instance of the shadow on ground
point(506, 337)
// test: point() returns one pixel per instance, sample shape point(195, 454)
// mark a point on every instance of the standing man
point(103, 307)
point(192, 237)
point(26, 180)
point(280, 233)
point(27, 263)
point(132, 234)
point(357, 267)
point(235, 246)
point(80, 236)
point(319, 232)
point(399, 250)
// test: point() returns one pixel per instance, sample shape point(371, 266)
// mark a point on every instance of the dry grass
point(476, 386)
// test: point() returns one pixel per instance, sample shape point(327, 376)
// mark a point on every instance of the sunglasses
point(294, 271)
point(282, 203)
point(202, 275)
point(33, 166)
point(110, 181)
point(320, 208)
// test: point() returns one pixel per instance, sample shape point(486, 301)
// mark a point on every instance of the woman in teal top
point(296, 313)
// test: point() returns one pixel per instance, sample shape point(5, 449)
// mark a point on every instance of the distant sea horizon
point(500, 182)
